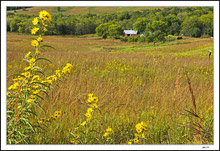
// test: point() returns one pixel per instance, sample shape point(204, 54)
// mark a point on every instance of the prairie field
point(79, 10)
point(169, 87)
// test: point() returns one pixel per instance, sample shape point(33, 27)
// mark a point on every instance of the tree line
point(154, 24)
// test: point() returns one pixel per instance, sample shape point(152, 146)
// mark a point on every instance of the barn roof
point(130, 31)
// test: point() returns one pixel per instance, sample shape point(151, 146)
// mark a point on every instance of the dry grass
point(80, 10)
point(133, 81)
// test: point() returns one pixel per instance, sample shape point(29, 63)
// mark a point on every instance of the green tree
point(102, 29)
point(140, 24)
point(14, 25)
point(115, 30)
point(173, 24)
point(192, 27)
point(207, 24)
point(155, 31)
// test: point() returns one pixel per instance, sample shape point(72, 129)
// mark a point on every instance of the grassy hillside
point(78, 10)
point(133, 82)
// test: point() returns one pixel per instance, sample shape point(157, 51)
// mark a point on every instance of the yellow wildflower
point(94, 105)
point(45, 29)
point(106, 134)
point(144, 125)
point(44, 15)
point(184, 135)
point(95, 99)
point(58, 73)
point(34, 43)
point(88, 119)
point(53, 77)
point(37, 51)
point(36, 92)
point(84, 123)
point(44, 24)
point(90, 95)
point(64, 71)
point(90, 100)
point(20, 78)
point(39, 39)
point(30, 100)
point(19, 107)
point(50, 81)
point(138, 126)
point(35, 21)
point(136, 140)
point(34, 30)
point(143, 135)
point(32, 60)
point(76, 135)
point(88, 114)
point(139, 130)
point(74, 142)
point(15, 79)
point(58, 113)
point(129, 142)
point(28, 54)
point(109, 130)
point(37, 77)
point(16, 84)
point(11, 87)
point(27, 68)
point(90, 110)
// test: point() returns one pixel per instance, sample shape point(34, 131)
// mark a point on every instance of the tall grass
point(147, 84)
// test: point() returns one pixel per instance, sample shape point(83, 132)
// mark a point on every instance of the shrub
point(205, 36)
point(141, 39)
point(170, 38)
point(123, 39)
point(179, 37)
point(132, 39)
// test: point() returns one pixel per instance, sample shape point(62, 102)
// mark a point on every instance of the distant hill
point(77, 10)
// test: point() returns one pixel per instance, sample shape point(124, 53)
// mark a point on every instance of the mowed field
point(79, 10)
point(134, 82)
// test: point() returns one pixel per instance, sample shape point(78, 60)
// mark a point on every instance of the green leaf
point(28, 123)
point(36, 67)
point(43, 90)
point(47, 46)
point(18, 75)
point(37, 96)
point(39, 72)
point(57, 85)
point(38, 105)
point(25, 60)
point(9, 112)
point(43, 59)
point(59, 80)
point(30, 38)
point(42, 48)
